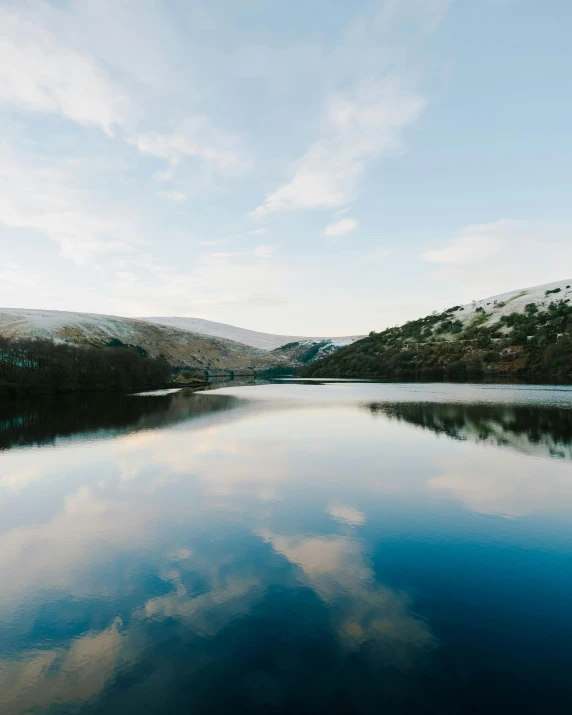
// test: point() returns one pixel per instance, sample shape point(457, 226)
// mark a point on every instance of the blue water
point(289, 548)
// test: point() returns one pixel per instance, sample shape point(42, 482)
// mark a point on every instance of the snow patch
point(264, 341)
point(515, 301)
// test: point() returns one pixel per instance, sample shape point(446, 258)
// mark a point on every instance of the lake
point(297, 547)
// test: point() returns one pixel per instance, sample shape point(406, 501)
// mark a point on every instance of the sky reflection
point(130, 564)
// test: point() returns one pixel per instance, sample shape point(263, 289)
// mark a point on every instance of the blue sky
point(325, 167)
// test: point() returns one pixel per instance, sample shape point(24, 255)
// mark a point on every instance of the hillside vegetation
point(38, 365)
point(303, 352)
point(532, 341)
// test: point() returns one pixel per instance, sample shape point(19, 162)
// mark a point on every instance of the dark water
point(288, 548)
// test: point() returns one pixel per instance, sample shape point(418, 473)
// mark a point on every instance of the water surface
point(311, 548)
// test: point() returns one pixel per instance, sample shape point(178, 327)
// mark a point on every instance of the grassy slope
point(533, 342)
point(181, 348)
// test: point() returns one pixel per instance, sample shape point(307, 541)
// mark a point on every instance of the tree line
point(38, 365)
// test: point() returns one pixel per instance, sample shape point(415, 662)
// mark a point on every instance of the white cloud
point(362, 610)
point(230, 239)
point(263, 252)
point(425, 16)
point(134, 36)
point(125, 278)
point(163, 175)
point(368, 93)
point(502, 483)
point(11, 273)
point(357, 129)
point(173, 195)
point(345, 225)
point(197, 138)
point(347, 514)
point(215, 242)
point(378, 254)
point(218, 278)
point(38, 73)
point(80, 670)
point(494, 257)
point(476, 243)
point(44, 198)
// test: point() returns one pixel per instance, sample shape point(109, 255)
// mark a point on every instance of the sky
point(322, 168)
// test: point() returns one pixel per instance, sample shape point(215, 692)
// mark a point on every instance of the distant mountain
point(264, 341)
point(184, 342)
point(523, 333)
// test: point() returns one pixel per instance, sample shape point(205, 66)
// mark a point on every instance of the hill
point(181, 348)
point(264, 341)
point(525, 333)
point(184, 342)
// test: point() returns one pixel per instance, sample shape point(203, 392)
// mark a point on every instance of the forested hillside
point(535, 342)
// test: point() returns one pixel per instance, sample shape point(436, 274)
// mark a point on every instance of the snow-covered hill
point(189, 342)
point(525, 333)
point(179, 347)
point(515, 301)
point(264, 341)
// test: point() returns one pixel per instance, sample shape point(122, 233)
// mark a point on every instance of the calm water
point(288, 548)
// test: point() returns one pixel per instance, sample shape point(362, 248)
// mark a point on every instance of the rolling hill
point(182, 348)
point(525, 333)
point(264, 341)
point(184, 342)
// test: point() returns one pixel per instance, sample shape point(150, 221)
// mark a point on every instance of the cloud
point(218, 278)
point(502, 483)
point(357, 129)
point(12, 273)
point(475, 243)
point(229, 239)
point(38, 73)
point(347, 514)
point(215, 242)
point(368, 93)
point(493, 257)
point(197, 138)
point(424, 16)
point(345, 225)
point(361, 609)
point(378, 254)
point(44, 198)
point(78, 671)
point(263, 252)
point(173, 195)
point(164, 175)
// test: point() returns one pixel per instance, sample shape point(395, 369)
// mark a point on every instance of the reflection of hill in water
point(534, 430)
point(45, 420)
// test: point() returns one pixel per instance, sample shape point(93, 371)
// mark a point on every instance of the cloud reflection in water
point(232, 552)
